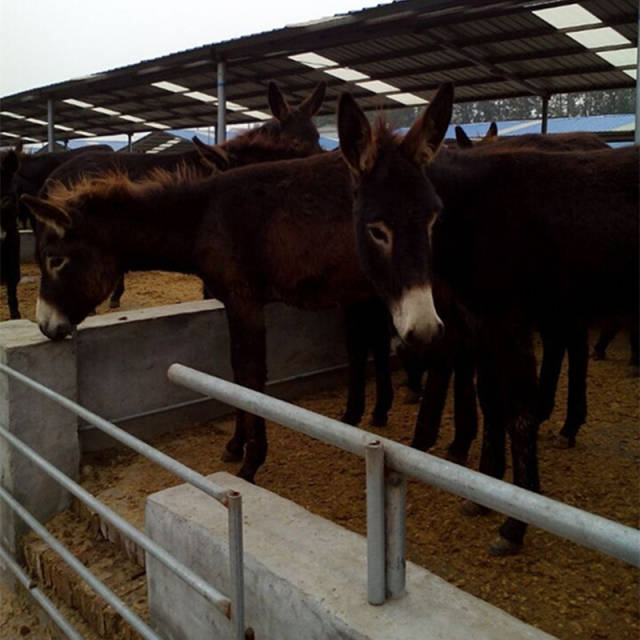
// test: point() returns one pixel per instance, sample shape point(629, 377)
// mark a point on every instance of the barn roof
point(390, 55)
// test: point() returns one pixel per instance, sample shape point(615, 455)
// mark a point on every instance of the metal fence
point(232, 608)
point(389, 462)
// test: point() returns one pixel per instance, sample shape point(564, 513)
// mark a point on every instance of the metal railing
point(233, 608)
point(386, 492)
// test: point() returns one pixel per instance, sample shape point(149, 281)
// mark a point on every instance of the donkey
point(294, 243)
point(24, 173)
point(457, 356)
point(291, 134)
point(520, 236)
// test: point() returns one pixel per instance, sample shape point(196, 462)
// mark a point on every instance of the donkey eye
point(379, 233)
point(55, 263)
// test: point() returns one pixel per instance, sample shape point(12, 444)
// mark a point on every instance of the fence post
point(376, 581)
point(395, 520)
point(236, 566)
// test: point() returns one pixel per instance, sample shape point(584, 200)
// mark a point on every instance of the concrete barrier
point(116, 367)
point(305, 577)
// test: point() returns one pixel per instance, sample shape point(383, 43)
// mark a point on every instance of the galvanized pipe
point(49, 608)
point(395, 510)
point(101, 589)
point(221, 126)
point(376, 580)
point(220, 601)
point(585, 528)
point(236, 564)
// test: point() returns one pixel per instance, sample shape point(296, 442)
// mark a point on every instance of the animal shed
point(571, 621)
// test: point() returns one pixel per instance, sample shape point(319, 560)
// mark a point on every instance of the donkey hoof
point(563, 442)
point(231, 456)
point(473, 509)
point(411, 397)
point(114, 304)
point(597, 354)
point(378, 420)
point(350, 418)
point(502, 547)
point(247, 474)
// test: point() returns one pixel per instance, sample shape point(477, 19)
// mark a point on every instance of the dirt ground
point(566, 590)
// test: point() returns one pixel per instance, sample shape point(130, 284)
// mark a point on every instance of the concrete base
point(305, 577)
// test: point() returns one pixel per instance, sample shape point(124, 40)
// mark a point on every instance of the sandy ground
point(564, 589)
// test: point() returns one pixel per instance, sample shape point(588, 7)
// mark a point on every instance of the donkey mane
point(116, 183)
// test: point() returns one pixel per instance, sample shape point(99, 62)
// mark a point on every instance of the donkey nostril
point(409, 337)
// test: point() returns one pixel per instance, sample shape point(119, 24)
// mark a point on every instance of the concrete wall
point(116, 367)
point(305, 577)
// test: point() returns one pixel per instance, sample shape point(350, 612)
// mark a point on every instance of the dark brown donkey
point(520, 236)
point(294, 242)
point(291, 134)
point(455, 354)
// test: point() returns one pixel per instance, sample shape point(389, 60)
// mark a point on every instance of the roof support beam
point(50, 132)
point(221, 127)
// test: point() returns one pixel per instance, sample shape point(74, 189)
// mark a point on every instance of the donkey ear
point(278, 103)
point(356, 137)
point(47, 213)
point(492, 131)
point(311, 105)
point(423, 140)
point(214, 156)
point(463, 140)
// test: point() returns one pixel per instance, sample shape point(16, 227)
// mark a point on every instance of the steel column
point(129, 142)
point(221, 127)
point(50, 133)
point(545, 114)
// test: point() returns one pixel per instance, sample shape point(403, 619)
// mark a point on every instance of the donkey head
point(395, 207)
point(78, 269)
point(295, 123)
point(465, 142)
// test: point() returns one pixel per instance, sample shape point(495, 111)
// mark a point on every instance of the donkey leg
point(381, 346)
point(553, 344)
point(492, 457)
point(248, 359)
point(578, 353)
point(434, 397)
point(465, 410)
point(114, 300)
point(518, 368)
point(12, 299)
point(357, 349)
point(414, 366)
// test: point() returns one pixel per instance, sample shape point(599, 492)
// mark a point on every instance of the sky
point(44, 42)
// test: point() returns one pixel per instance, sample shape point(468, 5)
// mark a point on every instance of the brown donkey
point(520, 236)
point(280, 231)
